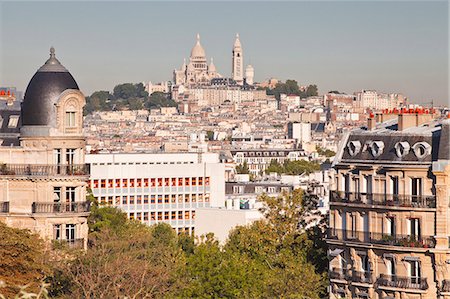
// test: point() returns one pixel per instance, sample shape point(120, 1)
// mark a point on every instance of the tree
point(280, 244)
point(274, 166)
point(125, 91)
point(242, 168)
point(325, 152)
point(132, 260)
point(159, 99)
point(214, 273)
point(98, 101)
point(311, 90)
point(22, 260)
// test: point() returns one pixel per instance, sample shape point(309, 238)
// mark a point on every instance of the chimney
point(371, 122)
point(414, 118)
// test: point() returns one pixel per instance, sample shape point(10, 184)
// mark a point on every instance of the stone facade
point(389, 223)
point(43, 181)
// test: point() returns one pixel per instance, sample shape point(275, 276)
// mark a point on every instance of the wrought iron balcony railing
point(44, 169)
point(4, 206)
point(68, 243)
point(395, 200)
point(382, 238)
point(402, 282)
point(57, 207)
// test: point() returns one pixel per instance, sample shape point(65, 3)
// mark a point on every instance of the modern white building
point(159, 187)
point(300, 131)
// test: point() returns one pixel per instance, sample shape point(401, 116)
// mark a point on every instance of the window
point(390, 266)
point(145, 216)
point(57, 194)
point(166, 198)
point(145, 182)
point(194, 181)
point(414, 228)
point(124, 200)
point(70, 156)
point(160, 200)
point(70, 119)
point(390, 226)
point(110, 183)
point(414, 271)
point(131, 199)
point(139, 183)
point(153, 182)
point(152, 216)
point(124, 183)
point(173, 215)
point(117, 183)
point(166, 215)
point(146, 199)
point(160, 182)
point(139, 199)
point(70, 198)
point(180, 182)
point(416, 189)
point(166, 182)
point(152, 198)
point(57, 232)
point(103, 183)
point(13, 121)
point(70, 232)
point(139, 216)
point(159, 215)
point(95, 184)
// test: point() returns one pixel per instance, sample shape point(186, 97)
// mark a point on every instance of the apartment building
point(259, 159)
point(42, 174)
point(389, 210)
point(159, 187)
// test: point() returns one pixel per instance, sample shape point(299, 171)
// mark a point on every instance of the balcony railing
point(361, 276)
point(4, 206)
point(394, 200)
point(57, 207)
point(337, 273)
point(445, 286)
point(68, 243)
point(402, 282)
point(44, 169)
point(381, 238)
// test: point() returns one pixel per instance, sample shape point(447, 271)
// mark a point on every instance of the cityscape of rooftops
point(224, 149)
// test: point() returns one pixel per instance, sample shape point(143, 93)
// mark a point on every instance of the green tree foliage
point(159, 99)
point(291, 87)
point(98, 101)
point(124, 259)
point(214, 273)
point(242, 168)
point(22, 260)
point(129, 90)
point(293, 167)
point(279, 244)
point(325, 152)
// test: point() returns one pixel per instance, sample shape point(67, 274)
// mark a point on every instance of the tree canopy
point(293, 167)
point(22, 260)
point(291, 87)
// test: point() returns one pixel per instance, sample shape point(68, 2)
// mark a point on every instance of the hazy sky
point(346, 46)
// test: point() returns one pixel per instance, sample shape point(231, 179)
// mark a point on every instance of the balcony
point(361, 276)
point(379, 199)
point(4, 206)
point(337, 273)
point(381, 238)
point(57, 207)
point(69, 243)
point(402, 282)
point(44, 169)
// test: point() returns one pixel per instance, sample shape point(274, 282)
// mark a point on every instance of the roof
point(43, 92)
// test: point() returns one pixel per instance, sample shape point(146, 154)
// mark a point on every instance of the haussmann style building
point(389, 209)
point(43, 177)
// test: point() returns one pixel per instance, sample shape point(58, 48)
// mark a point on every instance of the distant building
point(373, 100)
point(259, 159)
point(197, 71)
point(301, 132)
point(161, 187)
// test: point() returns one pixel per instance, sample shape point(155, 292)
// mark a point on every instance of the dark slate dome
point(38, 107)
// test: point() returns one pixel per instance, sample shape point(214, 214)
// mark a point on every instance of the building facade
point(237, 73)
point(43, 179)
point(197, 71)
point(162, 187)
point(389, 210)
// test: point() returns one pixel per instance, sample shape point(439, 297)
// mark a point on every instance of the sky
point(400, 47)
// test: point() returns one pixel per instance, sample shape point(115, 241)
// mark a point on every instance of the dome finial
point(52, 52)
point(198, 37)
point(237, 35)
